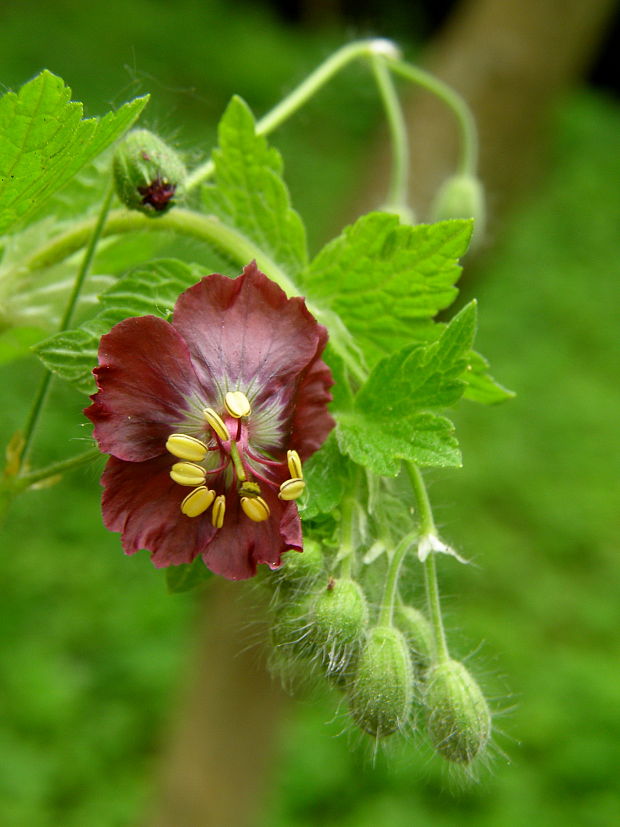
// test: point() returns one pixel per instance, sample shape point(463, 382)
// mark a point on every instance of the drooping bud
point(148, 174)
point(300, 570)
point(381, 695)
point(459, 720)
point(461, 196)
point(339, 622)
point(418, 634)
point(289, 633)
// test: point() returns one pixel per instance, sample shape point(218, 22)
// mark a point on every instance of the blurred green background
point(92, 645)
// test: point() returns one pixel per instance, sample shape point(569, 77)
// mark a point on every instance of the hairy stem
point(399, 174)
point(95, 234)
point(391, 581)
point(346, 552)
point(468, 159)
point(40, 475)
point(299, 96)
point(427, 526)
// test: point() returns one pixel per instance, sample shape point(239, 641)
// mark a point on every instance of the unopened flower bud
point(461, 196)
point(339, 622)
point(459, 720)
point(419, 635)
point(148, 174)
point(382, 692)
point(289, 633)
point(300, 570)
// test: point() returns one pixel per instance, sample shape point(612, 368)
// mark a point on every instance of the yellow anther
point(197, 501)
point(237, 404)
point(218, 511)
point(217, 423)
point(186, 473)
point(294, 465)
point(186, 447)
point(255, 508)
point(292, 489)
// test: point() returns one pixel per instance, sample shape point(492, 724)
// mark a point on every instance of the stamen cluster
point(230, 451)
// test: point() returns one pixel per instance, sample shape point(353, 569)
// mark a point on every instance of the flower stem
point(391, 581)
point(299, 96)
point(204, 228)
point(41, 395)
point(346, 537)
point(196, 225)
point(399, 175)
point(469, 140)
point(25, 480)
point(427, 526)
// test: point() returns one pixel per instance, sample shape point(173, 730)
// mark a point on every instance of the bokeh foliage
point(92, 642)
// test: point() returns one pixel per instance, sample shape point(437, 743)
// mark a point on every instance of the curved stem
point(399, 174)
point(296, 99)
point(29, 478)
point(391, 580)
point(41, 395)
point(468, 160)
point(196, 225)
point(204, 228)
point(427, 526)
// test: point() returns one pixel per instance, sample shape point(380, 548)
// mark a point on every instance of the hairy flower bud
point(300, 570)
point(339, 622)
point(461, 196)
point(382, 692)
point(289, 633)
point(459, 720)
point(418, 633)
point(148, 174)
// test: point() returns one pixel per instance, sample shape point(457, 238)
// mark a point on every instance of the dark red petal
point(144, 378)
point(247, 331)
point(311, 421)
point(143, 503)
point(241, 543)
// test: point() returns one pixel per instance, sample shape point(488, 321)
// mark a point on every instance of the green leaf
point(72, 355)
point(481, 386)
point(424, 438)
point(327, 474)
point(187, 576)
point(249, 192)
point(394, 414)
point(387, 281)
point(152, 289)
point(44, 142)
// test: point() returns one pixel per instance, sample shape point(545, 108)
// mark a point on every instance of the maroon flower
point(207, 420)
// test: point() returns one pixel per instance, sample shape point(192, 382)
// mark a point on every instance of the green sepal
point(149, 175)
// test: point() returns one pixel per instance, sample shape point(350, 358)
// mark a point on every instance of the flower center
point(225, 459)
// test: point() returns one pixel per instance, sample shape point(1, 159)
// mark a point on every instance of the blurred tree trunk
point(220, 753)
point(510, 59)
